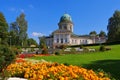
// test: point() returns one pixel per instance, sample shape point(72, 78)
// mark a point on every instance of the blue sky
point(43, 15)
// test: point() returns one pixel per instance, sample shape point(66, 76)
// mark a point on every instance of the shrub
point(44, 51)
point(102, 48)
point(57, 53)
point(86, 49)
point(6, 56)
point(81, 47)
point(63, 46)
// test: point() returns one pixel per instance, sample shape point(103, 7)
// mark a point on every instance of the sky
point(43, 15)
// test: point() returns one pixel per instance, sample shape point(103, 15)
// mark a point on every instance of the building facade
point(64, 34)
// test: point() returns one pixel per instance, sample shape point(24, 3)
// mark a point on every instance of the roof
point(80, 36)
point(62, 31)
point(66, 18)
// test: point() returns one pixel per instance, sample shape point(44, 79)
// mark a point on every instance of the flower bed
point(45, 70)
point(28, 55)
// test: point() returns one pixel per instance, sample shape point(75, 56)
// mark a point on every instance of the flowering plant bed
point(46, 70)
point(28, 55)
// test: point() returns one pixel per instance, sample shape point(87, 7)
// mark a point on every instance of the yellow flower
point(101, 74)
point(26, 76)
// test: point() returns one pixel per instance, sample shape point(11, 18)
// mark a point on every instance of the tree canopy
point(18, 31)
point(114, 27)
point(31, 41)
point(93, 33)
point(102, 34)
point(3, 29)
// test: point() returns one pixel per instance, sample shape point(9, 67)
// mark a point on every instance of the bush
point(81, 47)
point(102, 48)
point(57, 53)
point(6, 56)
point(63, 46)
point(44, 51)
point(86, 49)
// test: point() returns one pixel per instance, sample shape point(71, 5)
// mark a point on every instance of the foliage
point(45, 51)
point(114, 27)
point(86, 49)
point(3, 29)
point(7, 56)
point(14, 33)
point(57, 53)
point(42, 42)
point(102, 34)
point(22, 24)
point(109, 61)
point(63, 46)
point(43, 45)
point(81, 46)
point(93, 33)
point(31, 41)
point(18, 31)
point(45, 70)
point(102, 48)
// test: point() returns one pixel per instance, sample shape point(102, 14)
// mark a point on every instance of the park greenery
point(114, 27)
point(108, 61)
point(14, 37)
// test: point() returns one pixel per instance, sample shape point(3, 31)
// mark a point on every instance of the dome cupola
point(65, 23)
point(66, 18)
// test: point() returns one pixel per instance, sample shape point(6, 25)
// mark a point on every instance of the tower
point(65, 23)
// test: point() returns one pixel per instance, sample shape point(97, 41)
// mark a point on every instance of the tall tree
point(114, 27)
point(3, 29)
point(42, 45)
point(31, 41)
point(102, 34)
point(93, 33)
point(14, 33)
point(42, 42)
point(22, 25)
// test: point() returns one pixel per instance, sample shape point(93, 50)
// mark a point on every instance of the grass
point(108, 61)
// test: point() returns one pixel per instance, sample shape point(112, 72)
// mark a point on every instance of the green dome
point(66, 18)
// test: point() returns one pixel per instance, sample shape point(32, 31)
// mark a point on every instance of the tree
point(14, 34)
point(93, 33)
point(31, 41)
point(114, 27)
point(42, 42)
point(102, 34)
point(22, 26)
point(42, 45)
point(3, 29)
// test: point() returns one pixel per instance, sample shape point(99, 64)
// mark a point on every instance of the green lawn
point(109, 61)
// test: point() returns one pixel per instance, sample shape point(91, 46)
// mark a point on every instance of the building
point(64, 34)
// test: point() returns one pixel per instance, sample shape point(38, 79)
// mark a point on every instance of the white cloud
point(36, 34)
point(16, 10)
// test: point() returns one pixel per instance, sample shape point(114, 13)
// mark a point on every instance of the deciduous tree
point(3, 29)
point(102, 34)
point(114, 27)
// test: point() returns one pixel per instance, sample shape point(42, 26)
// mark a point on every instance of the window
point(80, 41)
point(72, 41)
point(61, 40)
point(65, 27)
point(57, 40)
point(75, 41)
point(66, 40)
